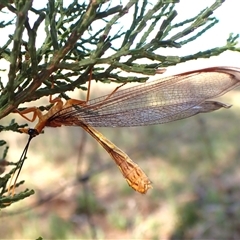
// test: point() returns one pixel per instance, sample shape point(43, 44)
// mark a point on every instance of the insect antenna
point(32, 133)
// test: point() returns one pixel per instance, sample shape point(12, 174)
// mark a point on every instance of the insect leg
point(33, 110)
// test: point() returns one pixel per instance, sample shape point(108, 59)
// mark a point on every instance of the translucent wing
point(156, 102)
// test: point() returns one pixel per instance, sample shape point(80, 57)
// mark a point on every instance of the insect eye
point(32, 132)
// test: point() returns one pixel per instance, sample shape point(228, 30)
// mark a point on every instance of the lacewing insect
point(160, 101)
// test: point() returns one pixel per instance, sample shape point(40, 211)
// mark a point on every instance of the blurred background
point(193, 165)
point(79, 192)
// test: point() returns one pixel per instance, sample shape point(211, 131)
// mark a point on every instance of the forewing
point(160, 101)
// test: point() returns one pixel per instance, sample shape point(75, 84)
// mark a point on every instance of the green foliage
point(88, 204)
point(59, 228)
point(188, 216)
point(118, 221)
point(72, 46)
